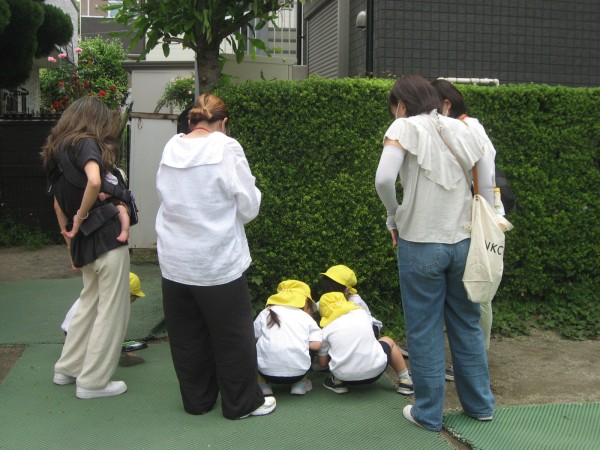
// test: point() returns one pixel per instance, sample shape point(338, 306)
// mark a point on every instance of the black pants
point(211, 335)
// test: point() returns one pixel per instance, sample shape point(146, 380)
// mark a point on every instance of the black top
point(85, 249)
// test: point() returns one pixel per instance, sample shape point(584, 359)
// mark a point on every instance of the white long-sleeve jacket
point(207, 193)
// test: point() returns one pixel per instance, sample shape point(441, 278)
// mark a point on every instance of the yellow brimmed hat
point(291, 293)
point(333, 305)
point(343, 275)
point(135, 287)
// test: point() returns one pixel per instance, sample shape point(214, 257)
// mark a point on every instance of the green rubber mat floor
point(538, 427)
point(36, 414)
point(32, 311)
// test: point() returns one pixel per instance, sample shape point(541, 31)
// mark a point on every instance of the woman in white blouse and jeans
point(207, 194)
point(434, 156)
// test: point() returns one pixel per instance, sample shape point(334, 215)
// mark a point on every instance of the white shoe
point(62, 379)
point(111, 389)
point(301, 387)
point(406, 412)
point(266, 408)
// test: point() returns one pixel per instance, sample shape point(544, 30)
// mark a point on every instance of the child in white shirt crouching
point(350, 349)
point(285, 332)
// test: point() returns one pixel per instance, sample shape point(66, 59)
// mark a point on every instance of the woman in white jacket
point(207, 193)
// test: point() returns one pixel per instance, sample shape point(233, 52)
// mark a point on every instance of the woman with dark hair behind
point(453, 105)
point(93, 345)
point(434, 156)
point(207, 193)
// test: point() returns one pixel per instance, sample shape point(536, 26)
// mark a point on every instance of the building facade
point(553, 42)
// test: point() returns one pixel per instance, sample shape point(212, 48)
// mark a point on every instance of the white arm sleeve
point(486, 170)
point(390, 163)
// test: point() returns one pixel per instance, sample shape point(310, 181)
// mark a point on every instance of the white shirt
point(69, 316)
point(282, 351)
point(207, 194)
point(355, 353)
point(436, 154)
point(358, 301)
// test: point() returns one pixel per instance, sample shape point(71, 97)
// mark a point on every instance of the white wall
point(147, 86)
point(149, 134)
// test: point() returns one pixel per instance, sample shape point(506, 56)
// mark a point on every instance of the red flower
point(86, 85)
point(112, 89)
point(61, 84)
point(102, 93)
point(55, 104)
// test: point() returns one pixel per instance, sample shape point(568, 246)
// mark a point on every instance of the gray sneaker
point(449, 374)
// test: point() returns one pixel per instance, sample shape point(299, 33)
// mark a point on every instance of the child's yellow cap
point(135, 287)
point(333, 305)
point(291, 293)
point(343, 275)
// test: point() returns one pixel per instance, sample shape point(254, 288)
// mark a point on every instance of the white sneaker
point(111, 389)
point(266, 408)
point(301, 387)
point(406, 412)
point(62, 379)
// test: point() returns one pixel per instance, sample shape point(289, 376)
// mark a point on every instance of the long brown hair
point(86, 117)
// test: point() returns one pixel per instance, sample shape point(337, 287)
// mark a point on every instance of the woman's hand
point(394, 234)
point(68, 235)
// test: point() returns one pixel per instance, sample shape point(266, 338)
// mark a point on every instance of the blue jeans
point(433, 294)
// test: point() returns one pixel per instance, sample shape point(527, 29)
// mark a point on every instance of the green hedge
point(314, 147)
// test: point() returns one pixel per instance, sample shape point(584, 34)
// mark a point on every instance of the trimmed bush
point(314, 146)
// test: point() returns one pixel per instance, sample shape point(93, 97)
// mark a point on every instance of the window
point(113, 12)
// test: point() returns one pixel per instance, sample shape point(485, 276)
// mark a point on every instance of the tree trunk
point(207, 66)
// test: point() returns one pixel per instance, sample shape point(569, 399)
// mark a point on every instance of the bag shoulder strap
point(475, 183)
point(475, 180)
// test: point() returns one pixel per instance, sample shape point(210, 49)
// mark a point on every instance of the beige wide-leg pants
point(95, 337)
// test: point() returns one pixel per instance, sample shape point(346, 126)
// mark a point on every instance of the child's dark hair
point(326, 285)
point(273, 319)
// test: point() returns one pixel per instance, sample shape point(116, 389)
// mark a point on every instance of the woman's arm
point(62, 221)
point(92, 189)
point(390, 163)
point(486, 169)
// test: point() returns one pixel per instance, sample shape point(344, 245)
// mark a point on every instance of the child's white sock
point(403, 375)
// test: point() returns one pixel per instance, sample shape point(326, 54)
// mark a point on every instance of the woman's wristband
point(82, 218)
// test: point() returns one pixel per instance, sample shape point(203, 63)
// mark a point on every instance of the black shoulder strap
point(75, 177)
point(79, 179)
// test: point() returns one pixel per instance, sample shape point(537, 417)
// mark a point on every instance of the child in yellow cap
point(350, 349)
point(285, 332)
point(135, 291)
point(341, 278)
